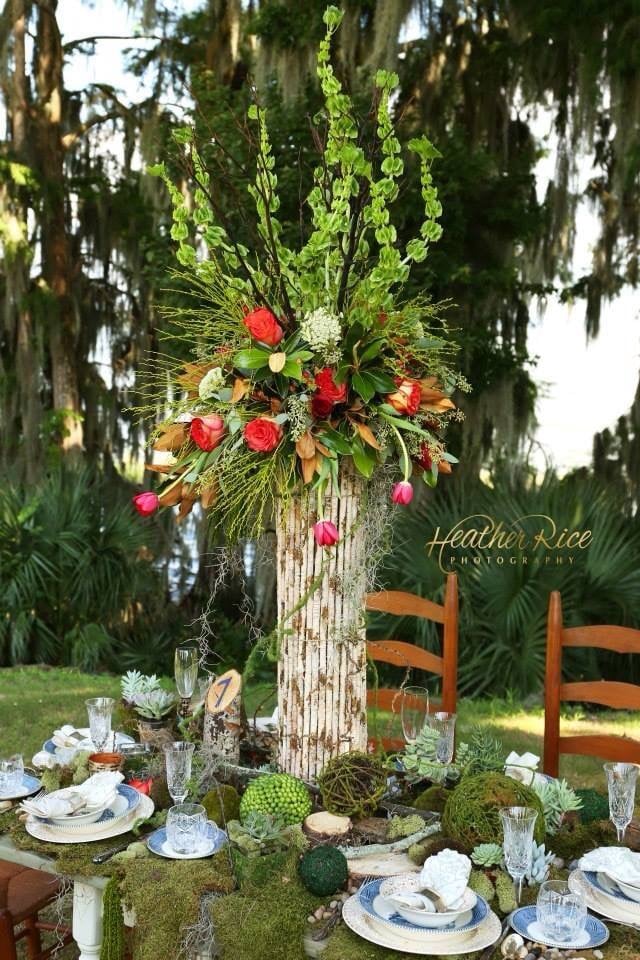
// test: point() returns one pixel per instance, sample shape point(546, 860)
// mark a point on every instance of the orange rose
point(406, 399)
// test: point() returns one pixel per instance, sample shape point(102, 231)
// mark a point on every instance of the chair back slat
point(403, 604)
point(390, 698)
point(617, 639)
point(406, 655)
point(608, 693)
point(624, 696)
point(605, 746)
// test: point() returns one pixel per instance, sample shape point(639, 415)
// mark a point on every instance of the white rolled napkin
point(447, 874)
point(619, 863)
point(44, 760)
point(522, 767)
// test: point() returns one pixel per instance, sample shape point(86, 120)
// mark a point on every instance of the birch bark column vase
point(322, 694)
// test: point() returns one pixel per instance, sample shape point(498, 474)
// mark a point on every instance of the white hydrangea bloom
point(210, 383)
point(320, 328)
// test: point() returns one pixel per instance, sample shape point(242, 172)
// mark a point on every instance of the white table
point(87, 898)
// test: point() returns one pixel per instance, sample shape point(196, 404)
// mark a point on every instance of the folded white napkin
point(447, 874)
point(619, 863)
point(522, 767)
point(44, 760)
point(68, 736)
point(97, 792)
point(416, 901)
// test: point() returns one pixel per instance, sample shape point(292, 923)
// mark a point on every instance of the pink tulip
point(402, 493)
point(146, 503)
point(325, 533)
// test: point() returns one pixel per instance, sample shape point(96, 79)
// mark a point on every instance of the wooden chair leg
point(7, 940)
point(32, 938)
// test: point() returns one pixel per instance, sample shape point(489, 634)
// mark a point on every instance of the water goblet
point(414, 708)
point(186, 675)
point(186, 824)
point(561, 912)
point(177, 757)
point(100, 710)
point(621, 780)
point(444, 724)
point(11, 774)
point(518, 824)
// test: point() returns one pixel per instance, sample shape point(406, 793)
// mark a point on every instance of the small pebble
point(311, 918)
point(531, 956)
point(522, 953)
point(558, 862)
point(318, 913)
point(598, 954)
point(333, 904)
point(327, 914)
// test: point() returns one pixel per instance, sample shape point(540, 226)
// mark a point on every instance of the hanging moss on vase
point(472, 812)
point(112, 923)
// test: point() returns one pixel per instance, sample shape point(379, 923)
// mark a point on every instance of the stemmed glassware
point(178, 757)
point(414, 709)
point(518, 824)
point(186, 675)
point(444, 724)
point(621, 780)
point(100, 710)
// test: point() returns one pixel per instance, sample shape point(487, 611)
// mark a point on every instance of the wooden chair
point(623, 696)
point(23, 893)
point(409, 655)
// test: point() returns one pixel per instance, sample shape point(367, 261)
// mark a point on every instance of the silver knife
point(111, 852)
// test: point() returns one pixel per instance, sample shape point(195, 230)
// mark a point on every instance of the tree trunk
point(322, 664)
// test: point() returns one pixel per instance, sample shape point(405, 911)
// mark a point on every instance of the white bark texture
point(322, 696)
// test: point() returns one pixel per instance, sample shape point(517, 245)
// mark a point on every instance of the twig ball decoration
point(472, 812)
point(323, 870)
point(353, 784)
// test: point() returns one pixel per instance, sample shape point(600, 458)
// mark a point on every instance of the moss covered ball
point(353, 784)
point(472, 812)
point(222, 804)
point(279, 794)
point(323, 870)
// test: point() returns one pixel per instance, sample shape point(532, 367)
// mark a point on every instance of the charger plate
point(41, 831)
point(449, 945)
point(127, 800)
point(29, 786)
point(370, 897)
point(603, 903)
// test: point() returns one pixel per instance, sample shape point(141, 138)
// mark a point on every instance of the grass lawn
point(35, 700)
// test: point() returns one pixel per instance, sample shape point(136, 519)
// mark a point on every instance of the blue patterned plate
point(467, 921)
point(125, 803)
point(121, 738)
point(524, 921)
point(29, 785)
point(606, 884)
point(215, 839)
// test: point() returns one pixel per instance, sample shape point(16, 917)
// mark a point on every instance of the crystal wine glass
point(414, 709)
point(186, 675)
point(444, 724)
point(621, 780)
point(177, 757)
point(100, 710)
point(518, 824)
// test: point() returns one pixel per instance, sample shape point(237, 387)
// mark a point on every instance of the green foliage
point(471, 814)
point(279, 794)
point(558, 799)
point(487, 855)
point(595, 805)
point(323, 870)
point(433, 798)
point(352, 784)
point(503, 606)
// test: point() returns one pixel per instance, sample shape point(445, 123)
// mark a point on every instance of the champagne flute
point(186, 675)
point(518, 824)
point(444, 724)
point(414, 708)
point(621, 780)
point(99, 710)
point(178, 757)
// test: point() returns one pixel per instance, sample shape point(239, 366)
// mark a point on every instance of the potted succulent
point(153, 708)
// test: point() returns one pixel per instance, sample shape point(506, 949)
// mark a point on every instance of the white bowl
point(88, 814)
point(434, 921)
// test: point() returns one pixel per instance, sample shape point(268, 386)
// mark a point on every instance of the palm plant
point(503, 607)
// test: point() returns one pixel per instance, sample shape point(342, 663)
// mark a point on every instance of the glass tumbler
point(100, 710)
point(560, 912)
point(11, 774)
point(186, 824)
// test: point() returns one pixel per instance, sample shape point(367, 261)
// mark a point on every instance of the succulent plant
point(134, 683)
point(154, 705)
point(540, 864)
point(488, 855)
point(558, 799)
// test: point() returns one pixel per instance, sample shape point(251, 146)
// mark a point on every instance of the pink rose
point(402, 493)
point(262, 434)
point(146, 503)
point(325, 533)
point(263, 326)
point(207, 432)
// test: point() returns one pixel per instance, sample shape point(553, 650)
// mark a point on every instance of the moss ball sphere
point(323, 870)
point(472, 812)
point(353, 784)
point(222, 804)
point(278, 794)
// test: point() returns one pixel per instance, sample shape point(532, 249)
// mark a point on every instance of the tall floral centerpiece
point(313, 382)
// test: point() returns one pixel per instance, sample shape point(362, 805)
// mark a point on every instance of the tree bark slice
point(322, 665)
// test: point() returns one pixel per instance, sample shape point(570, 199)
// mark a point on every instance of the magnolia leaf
point(363, 386)
point(335, 441)
point(308, 469)
point(305, 446)
point(252, 359)
point(444, 467)
point(172, 437)
point(363, 459)
point(171, 495)
point(324, 450)
point(277, 362)
point(240, 389)
point(208, 496)
point(185, 508)
point(367, 434)
point(159, 468)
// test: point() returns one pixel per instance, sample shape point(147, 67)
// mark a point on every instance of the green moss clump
point(345, 945)
point(472, 812)
point(264, 920)
point(160, 793)
point(400, 827)
point(576, 838)
point(323, 870)
point(505, 892)
point(482, 884)
point(595, 806)
point(433, 798)
point(112, 923)
point(222, 804)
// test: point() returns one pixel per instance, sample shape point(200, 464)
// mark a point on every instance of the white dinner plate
point(50, 834)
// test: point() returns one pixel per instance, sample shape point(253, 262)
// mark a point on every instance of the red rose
point(425, 459)
point(406, 398)
point(327, 386)
point(262, 435)
point(263, 326)
point(321, 406)
point(146, 503)
point(207, 432)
